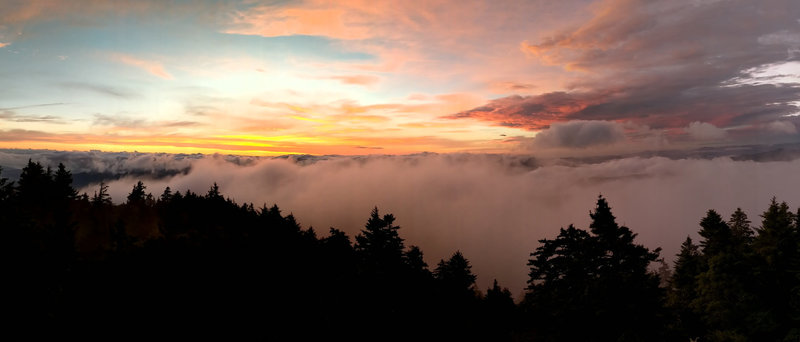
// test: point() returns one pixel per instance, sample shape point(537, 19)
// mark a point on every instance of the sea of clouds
point(493, 208)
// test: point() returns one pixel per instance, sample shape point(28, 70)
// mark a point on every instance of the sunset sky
point(397, 77)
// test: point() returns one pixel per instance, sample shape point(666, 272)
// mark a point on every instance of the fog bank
point(492, 208)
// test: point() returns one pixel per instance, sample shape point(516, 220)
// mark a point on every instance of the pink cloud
point(152, 67)
point(362, 80)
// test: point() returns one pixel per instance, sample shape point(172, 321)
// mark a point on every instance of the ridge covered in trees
point(191, 264)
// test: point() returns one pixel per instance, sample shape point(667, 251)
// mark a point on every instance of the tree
point(6, 188)
point(415, 262)
point(716, 234)
point(63, 183)
point(166, 196)
point(137, 195)
point(101, 197)
point(598, 281)
point(213, 192)
point(456, 273)
point(741, 232)
point(35, 184)
point(379, 245)
point(683, 285)
point(777, 247)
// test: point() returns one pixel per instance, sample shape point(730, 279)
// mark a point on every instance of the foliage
point(206, 262)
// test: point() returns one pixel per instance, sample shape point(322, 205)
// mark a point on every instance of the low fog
point(493, 208)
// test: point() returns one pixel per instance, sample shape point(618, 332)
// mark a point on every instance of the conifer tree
point(683, 290)
point(716, 234)
point(777, 247)
point(137, 195)
point(456, 273)
point(63, 183)
point(599, 281)
point(379, 244)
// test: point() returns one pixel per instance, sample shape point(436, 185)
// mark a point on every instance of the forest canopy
point(206, 262)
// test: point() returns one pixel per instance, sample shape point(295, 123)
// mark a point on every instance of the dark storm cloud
point(665, 64)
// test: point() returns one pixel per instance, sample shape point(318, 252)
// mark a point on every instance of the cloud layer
point(493, 208)
point(666, 64)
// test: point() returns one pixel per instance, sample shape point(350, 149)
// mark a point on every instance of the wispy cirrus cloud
point(9, 115)
point(102, 89)
point(124, 122)
point(152, 67)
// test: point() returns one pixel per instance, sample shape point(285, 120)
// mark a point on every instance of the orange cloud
point(364, 80)
point(235, 144)
point(152, 67)
point(271, 21)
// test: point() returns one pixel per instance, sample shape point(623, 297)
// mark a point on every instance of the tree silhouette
point(716, 234)
point(137, 195)
point(204, 260)
point(598, 281)
point(415, 262)
point(723, 288)
point(101, 197)
point(379, 244)
point(688, 266)
point(456, 273)
point(777, 247)
point(63, 183)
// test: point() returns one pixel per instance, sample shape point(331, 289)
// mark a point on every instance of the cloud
point(511, 87)
point(100, 89)
point(152, 67)
point(580, 134)
point(665, 64)
point(528, 112)
point(34, 106)
point(494, 208)
point(126, 122)
point(363, 80)
point(275, 21)
point(9, 115)
point(785, 127)
point(705, 131)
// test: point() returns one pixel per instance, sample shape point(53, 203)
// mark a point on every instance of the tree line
point(189, 264)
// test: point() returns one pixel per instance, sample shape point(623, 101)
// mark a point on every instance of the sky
point(385, 77)
point(484, 126)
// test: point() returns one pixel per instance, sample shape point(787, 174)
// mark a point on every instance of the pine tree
point(137, 195)
point(456, 273)
point(683, 289)
point(6, 188)
point(777, 247)
point(166, 196)
point(101, 197)
point(35, 184)
point(415, 262)
point(741, 231)
point(63, 183)
point(598, 281)
point(379, 244)
point(716, 234)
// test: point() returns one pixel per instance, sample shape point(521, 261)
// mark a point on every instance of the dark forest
point(192, 264)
